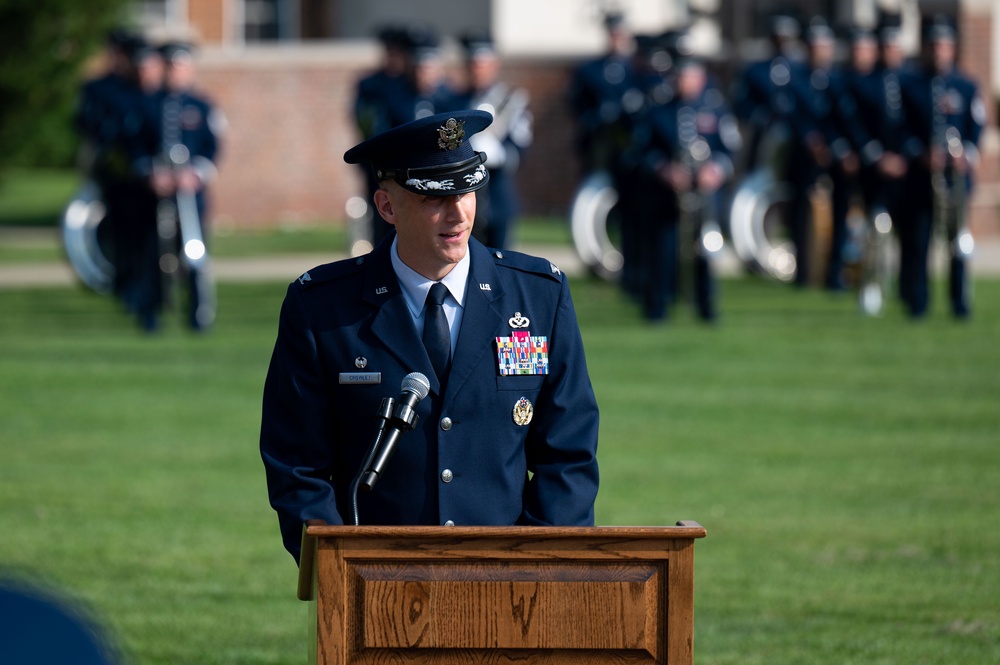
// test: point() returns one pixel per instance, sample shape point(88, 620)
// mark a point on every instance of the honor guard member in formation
point(506, 418)
point(688, 159)
point(109, 111)
point(819, 148)
point(176, 153)
point(375, 95)
point(874, 122)
point(503, 142)
point(598, 95)
point(652, 67)
point(762, 96)
point(944, 116)
point(386, 100)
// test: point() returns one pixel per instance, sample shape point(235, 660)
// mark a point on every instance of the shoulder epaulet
point(527, 263)
point(329, 272)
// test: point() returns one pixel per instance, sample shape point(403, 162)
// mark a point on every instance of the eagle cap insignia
point(450, 136)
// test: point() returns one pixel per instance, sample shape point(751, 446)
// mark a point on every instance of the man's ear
point(383, 203)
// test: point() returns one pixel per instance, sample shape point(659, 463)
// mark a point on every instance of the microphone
point(404, 418)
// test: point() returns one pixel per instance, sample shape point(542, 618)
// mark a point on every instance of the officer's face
point(180, 74)
point(943, 55)
point(433, 231)
point(864, 55)
point(691, 81)
point(892, 55)
point(483, 71)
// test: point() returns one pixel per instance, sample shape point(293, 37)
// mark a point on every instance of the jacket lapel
point(391, 325)
point(480, 319)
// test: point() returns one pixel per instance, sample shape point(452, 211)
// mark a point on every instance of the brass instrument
point(590, 211)
point(178, 215)
point(756, 218)
point(507, 106)
point(950, 196)
point(876, 263)
point(79, 225)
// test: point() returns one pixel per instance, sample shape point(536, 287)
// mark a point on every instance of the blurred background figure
point(763, 97)
point(652, 65)
point(597, 95)
point(411, 84)
point(504, 141)
point(428, 91)
point(374, 90)
point(689, 159)
point(104, 120)
point(176, 152)
point(375, 95)
point(820, 161)
point(944, 117)
point(141, 202)
point(873, 113)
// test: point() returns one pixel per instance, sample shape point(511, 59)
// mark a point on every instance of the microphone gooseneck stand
point(382, 417)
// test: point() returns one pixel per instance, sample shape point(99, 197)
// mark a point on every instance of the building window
point(262, 20)
point(158, 13)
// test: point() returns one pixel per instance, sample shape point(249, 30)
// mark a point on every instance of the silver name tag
point(361, 377)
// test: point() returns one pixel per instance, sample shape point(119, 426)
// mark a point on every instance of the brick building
point(284, 72)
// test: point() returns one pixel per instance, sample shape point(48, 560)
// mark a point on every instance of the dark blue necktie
point(437, 337)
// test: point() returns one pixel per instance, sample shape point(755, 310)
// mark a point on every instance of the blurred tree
point(43, 46)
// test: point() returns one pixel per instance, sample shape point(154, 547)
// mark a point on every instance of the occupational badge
point(450, 136)
point(361, 362)
point(523, 411)
point(522, 354)
point(518, 321)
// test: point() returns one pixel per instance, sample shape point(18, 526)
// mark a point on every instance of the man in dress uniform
point(819, 148)
point(688, 158)
point(875, 125)
point(598, 98)
point(762, 95)
point(390, 101)
point(503, 142)
point(507, 433)
point(102, 119)
point(374, 95)
point(944, 116)
point(176, 153)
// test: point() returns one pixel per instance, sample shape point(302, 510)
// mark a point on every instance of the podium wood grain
point(435, 595)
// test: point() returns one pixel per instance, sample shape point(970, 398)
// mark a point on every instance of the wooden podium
point(560, 595)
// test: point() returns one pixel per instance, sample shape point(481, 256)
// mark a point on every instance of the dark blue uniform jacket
point(316, 430)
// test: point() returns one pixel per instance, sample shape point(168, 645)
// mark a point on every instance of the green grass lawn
point(35, 197)
point(846, 470)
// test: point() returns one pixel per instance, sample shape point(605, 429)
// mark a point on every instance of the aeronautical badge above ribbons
point(522, 354)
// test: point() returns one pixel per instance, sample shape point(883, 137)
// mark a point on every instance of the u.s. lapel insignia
point(450, 136)
point(361, 362)
point(518, 321)
point(523, 411)
point(306, 277)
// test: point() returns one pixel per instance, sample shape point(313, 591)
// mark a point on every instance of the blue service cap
point(477, 44)
point(177, 52)
point(784, 26)
point(429, 156)
point(938, 28)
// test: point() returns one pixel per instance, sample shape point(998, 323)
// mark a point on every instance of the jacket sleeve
point(562, 444)
point(296, 434)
